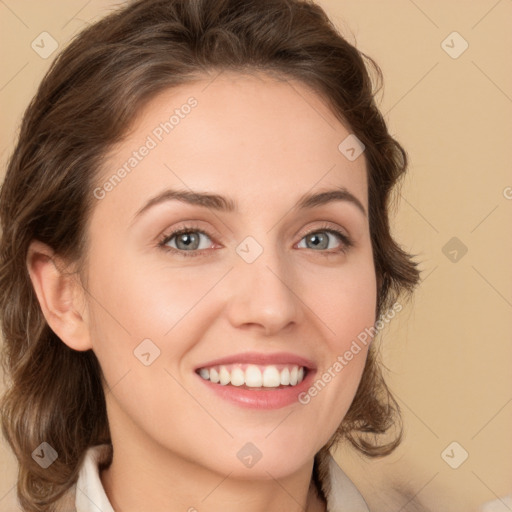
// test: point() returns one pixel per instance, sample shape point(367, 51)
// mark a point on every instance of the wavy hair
point(91, 93)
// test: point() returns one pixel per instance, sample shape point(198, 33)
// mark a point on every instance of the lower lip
point(261, 398)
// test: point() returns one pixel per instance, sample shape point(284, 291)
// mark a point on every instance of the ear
point(61, 296)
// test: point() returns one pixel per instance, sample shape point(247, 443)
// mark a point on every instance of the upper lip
point(261, 359)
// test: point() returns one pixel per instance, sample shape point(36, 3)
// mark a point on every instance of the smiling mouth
point(251, 376)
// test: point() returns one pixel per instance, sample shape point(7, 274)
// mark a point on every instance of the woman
point(196, 254)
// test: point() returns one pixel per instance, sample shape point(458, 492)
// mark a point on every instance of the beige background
point(449, 352)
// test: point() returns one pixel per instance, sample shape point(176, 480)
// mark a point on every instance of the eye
point(187, 239)
point(323, 239)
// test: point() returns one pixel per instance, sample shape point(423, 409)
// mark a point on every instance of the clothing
point(88, 494)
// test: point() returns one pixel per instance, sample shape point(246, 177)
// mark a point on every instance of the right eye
point(186, 240)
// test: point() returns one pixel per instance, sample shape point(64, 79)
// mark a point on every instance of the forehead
point(264, 138)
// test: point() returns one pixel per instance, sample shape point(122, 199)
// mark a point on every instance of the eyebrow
point(224, 204)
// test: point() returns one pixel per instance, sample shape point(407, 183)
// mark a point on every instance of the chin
point(255, 460)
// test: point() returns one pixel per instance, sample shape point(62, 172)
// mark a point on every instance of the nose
point(264, 295)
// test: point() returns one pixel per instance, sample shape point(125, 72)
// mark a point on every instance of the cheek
point(346, 307)
point(142, 299)
point(157, 302)
point(346, 302)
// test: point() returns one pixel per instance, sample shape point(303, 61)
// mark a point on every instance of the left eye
point(321, 239)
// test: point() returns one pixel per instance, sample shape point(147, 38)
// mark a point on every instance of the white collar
point(91, 496)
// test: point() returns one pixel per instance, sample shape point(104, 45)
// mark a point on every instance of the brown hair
point(91, 93)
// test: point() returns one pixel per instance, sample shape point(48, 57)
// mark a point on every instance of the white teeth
point(285, 377)
point(237, 377)
point(254, 376)
point(293, 376)
point(214, 376)
point(224, 375)
point(271, 377)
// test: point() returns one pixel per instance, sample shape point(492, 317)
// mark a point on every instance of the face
point(258, 278)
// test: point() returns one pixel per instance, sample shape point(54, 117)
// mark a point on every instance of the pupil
point(317, 240)
point(187, 239)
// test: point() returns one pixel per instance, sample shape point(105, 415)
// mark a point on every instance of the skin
point(263, 143)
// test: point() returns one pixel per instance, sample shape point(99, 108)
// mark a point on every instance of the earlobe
point(60, 296)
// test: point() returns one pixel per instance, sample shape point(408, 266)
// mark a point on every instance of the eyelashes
point(345, 242)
